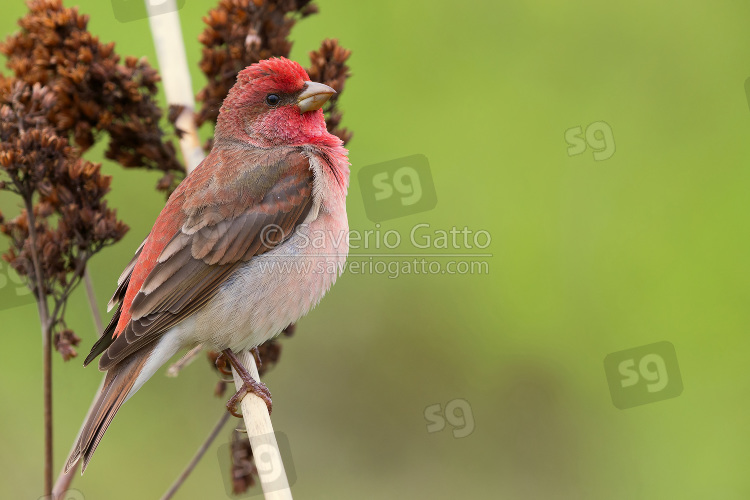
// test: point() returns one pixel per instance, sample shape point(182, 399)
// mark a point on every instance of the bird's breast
point(277, 288)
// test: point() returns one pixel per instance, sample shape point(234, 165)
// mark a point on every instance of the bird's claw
point(221, 364)
point(232, 405)
point(256, 355)
point(251, 387)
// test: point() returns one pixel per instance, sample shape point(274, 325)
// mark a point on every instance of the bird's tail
point(119, 384)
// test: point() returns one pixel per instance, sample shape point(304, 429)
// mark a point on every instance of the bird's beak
point(314, 96)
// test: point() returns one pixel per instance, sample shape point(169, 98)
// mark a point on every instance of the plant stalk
point(41, 301)
point(260, 432)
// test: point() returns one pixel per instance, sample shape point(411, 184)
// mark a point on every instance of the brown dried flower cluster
point(65, 343)
point(328, 66)
point(243, 466)
point(66, 219)
point(93, 91)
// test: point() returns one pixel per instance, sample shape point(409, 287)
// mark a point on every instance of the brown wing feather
point(124, 280)
point(212, 244)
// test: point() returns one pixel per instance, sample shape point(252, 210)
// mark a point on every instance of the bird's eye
point(272, 99)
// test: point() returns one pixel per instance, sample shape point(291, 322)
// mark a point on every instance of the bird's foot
point(256, 355)
point(221, 364)
point(257, 388)
point(249, 386)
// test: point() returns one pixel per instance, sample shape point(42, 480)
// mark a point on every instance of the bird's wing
point(211, 225)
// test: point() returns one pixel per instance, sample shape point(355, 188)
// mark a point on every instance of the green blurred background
point(588, 258)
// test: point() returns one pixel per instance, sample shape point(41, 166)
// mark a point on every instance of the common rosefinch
point(215, 268)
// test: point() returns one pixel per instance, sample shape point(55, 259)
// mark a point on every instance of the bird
point(249, 242)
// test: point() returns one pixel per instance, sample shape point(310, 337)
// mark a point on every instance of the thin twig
point(61, 302)
point(198, 455)
point(48, 451)
point(188, 358)
point(95, 314)
point(41, 301)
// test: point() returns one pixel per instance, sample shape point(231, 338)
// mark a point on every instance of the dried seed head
point(328, 66)
point(92, 91)
point(71, 220)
